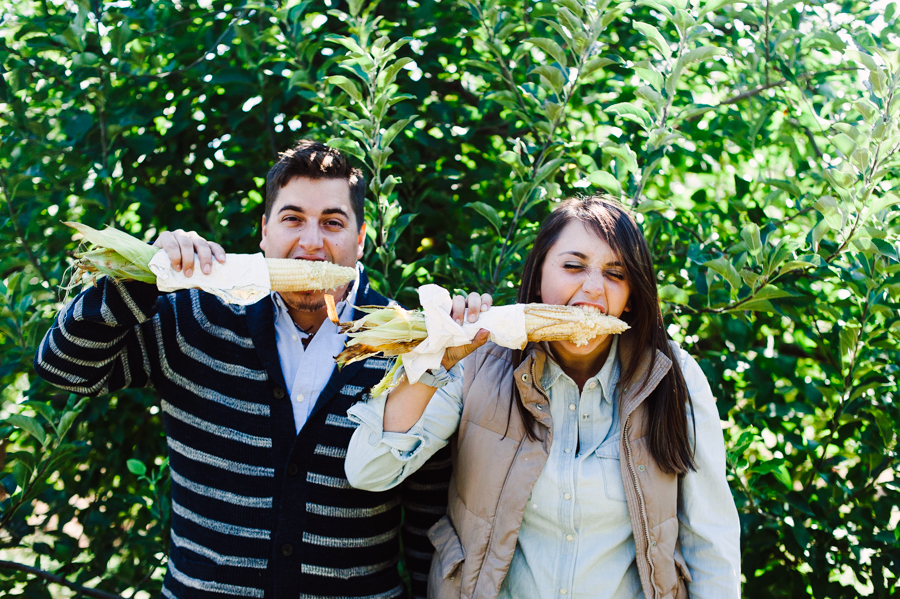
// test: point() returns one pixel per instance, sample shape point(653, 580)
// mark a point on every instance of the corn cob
point(393, 331)
point(121, 256)
point(305, 275)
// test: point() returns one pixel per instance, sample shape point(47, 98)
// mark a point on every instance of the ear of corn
point(394, 331)
point(306, 275)
point(121, 256)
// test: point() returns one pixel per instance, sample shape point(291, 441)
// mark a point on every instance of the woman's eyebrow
point(574, 253)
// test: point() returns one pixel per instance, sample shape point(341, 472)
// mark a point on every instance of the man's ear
point(262, 242)
point(361, 241)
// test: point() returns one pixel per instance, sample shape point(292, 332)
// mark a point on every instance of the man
point(254, 408)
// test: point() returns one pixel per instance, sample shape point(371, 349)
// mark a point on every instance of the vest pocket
point(449, 552)
point(608, 454)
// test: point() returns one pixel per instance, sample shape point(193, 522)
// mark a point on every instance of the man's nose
point(310, 238)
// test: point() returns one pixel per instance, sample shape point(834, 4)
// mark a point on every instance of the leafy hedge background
point(757, 142)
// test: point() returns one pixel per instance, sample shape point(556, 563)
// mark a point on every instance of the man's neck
point(311, 320)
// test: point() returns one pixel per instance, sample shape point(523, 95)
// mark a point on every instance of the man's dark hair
point(314, 160)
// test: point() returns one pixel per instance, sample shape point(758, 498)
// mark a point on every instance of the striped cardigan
point(257, 510)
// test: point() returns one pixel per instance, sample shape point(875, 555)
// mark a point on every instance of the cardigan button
point(292, 469)
point(278, 393)
point(287, 550)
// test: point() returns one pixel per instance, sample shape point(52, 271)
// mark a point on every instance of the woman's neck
point(581, 367)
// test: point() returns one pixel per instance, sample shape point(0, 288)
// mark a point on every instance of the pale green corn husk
point(115, 254)
point(388, 382)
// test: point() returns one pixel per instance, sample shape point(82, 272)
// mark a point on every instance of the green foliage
point(756, 142)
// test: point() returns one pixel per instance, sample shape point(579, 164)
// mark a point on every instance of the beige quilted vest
point(495, 468)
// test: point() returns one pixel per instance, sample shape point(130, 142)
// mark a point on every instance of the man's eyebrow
point(335, 211)
point(325, 212)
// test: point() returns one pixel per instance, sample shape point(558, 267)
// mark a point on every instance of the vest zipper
point(640, 495)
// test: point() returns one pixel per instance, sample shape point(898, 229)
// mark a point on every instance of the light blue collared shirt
point(576, 539)
point(308, 369)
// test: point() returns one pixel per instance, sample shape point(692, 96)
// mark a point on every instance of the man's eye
point(334, 223)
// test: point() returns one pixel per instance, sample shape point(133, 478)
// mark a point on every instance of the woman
point(595, 471)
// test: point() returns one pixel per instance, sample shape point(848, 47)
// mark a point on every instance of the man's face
point(313, 220)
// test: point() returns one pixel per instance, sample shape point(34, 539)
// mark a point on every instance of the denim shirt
point(576, 538)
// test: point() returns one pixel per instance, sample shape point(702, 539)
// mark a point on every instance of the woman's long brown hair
point(669, 442)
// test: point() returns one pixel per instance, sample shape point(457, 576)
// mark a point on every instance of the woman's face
point(581, 269)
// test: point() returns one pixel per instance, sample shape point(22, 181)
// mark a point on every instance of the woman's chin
point(568, 348)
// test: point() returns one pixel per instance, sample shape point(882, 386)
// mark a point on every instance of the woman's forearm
point(405, 405)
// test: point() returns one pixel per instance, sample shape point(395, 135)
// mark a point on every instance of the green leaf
point(886, 249)
point(597, 63)
point(649, 73)
point(606, 181)
point(489, 213)
point(861, 58)
point(775, 467)
point(786, 186)
point(771, 292)
point(725, 268)
point(136, 467)
point(655, 38)
point(68, 417)
point(44, 409)
point(630, 112)
point(626, 155)
point(29, 425)
point(21, 474)
point(547, 169)
point(829, 208)
point(674, 295)
point(347, 85)
point(794, 265)
point(549, 47)
point(750, 235)
point(393, 130)
point(882, 202)
point(552, 75)
point(750, 277)
point(849, 336)
point(348, 146)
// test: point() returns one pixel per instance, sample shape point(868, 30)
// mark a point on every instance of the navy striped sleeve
point(95, 344)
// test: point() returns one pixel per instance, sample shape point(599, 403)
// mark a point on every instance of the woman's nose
point(593, 285)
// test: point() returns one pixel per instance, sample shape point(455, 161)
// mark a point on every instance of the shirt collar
point(608, 377)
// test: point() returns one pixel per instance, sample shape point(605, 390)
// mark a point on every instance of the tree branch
point(758, 90)
point(88, 592)
point(19, 233)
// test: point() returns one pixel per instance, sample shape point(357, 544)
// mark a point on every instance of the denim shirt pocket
point(608, 454)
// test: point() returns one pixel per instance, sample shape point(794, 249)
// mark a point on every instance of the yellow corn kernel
point(286, 274)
